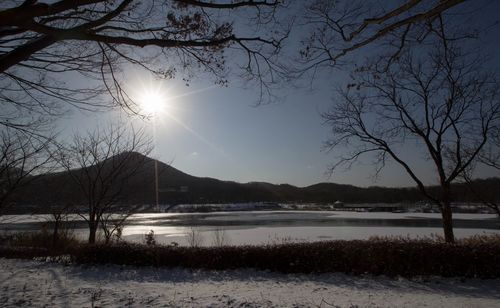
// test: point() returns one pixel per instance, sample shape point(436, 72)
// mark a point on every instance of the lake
point(262, 227)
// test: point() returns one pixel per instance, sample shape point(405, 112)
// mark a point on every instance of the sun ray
point(157, 103)
point(197, 135)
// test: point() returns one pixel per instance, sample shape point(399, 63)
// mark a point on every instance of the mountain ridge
point(177, 187)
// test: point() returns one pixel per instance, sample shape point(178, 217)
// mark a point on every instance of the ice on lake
point(262, 227)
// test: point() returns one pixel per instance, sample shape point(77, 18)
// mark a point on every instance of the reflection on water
point(277, 226)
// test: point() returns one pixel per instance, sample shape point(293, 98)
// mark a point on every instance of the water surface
point(260, 227)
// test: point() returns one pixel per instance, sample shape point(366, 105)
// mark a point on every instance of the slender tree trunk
point(446, 214)
point(447, 223)
point(107, 235)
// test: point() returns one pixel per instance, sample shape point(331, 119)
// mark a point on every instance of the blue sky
point(218, 132)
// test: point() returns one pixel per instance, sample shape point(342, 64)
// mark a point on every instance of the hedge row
point(387, 257)
point(476, 257)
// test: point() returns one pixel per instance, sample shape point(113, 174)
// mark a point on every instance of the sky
point(218, 132)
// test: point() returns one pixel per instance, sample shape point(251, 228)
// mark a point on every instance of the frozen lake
point(261, 227)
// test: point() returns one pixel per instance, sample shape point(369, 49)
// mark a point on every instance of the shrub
point(473, 257)
point(149, 238)
point(41, 239)
point(194, 237)
point(220, 238)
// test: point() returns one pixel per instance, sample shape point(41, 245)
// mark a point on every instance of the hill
point(177, 187)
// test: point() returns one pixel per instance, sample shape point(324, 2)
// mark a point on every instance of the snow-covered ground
point(34, 283)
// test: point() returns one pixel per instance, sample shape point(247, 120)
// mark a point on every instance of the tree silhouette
point(22, 157)
point(47, 48)
point(439, 99)
point(102, 163)
point(340, 28)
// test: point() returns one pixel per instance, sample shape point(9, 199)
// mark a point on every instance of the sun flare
point(152, 103)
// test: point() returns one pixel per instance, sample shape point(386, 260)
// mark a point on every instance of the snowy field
point(41, 284)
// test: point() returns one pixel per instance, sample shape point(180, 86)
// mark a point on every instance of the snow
point(37, 283)
point(273, 235)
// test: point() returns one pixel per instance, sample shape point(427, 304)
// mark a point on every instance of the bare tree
point(340, 28)
point(194, 237)
point(103, 163)
point(434, 99)
point(58, 219)
point(438, 98)
point(112, 223)
point(491, 154)
point(46, 48)
point(220, 237)
point(22, 157)
point(57, 201)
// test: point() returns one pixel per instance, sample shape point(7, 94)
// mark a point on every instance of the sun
point(153, 102)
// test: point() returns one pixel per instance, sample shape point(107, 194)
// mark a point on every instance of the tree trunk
point(107, 235)
point(446, 214)
point(92, 232)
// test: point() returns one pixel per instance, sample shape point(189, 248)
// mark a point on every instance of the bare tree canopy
point(491, 154)
point(422, 84)
point(439, 98)
point(102, 164)
point(46, 48)
point(22, 157)
point(340, 28)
